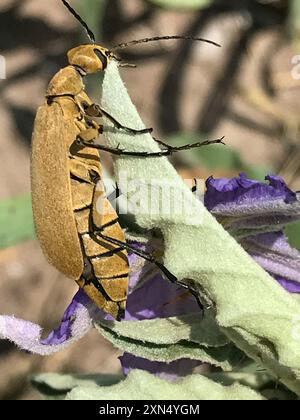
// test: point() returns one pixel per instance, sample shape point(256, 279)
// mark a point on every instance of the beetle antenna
point(161, 38)
point(81, 21)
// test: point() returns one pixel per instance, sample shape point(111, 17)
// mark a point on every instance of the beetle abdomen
point(106, 275)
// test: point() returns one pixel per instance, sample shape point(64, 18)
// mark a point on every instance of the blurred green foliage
point(16, 221)
point(293, 233)
point(181, 4)
point(216, 157)
point(92, 12)
point(295, 21)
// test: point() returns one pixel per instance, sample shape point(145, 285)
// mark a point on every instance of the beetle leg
point(96, 111)
point(150, 258)
point(87, 136)
point(115, 194)
point(166, 152)
point(86, 139)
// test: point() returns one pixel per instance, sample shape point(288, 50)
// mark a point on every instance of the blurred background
point(248, 91)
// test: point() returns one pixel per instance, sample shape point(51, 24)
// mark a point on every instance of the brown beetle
point(76, 225)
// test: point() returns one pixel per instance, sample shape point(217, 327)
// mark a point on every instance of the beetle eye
point(85, 105)
point(102, 57)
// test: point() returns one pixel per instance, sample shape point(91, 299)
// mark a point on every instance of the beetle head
point(90, 58)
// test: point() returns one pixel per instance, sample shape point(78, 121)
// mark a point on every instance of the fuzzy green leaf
point(65, 383)
point(56, 386)
point(16, 221)
point(259, 381)
point(193, 327)
point(141, 385)
point(257, 314)
point(255, 380)
point(225, 357)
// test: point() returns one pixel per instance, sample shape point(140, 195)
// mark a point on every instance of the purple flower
point(158, 298)
point(273, 252)
point(28, 336)
point(255, 213)
point(242, 204)
point(244, 207)
point(155, 298)
point(67, 328)
point(241, 192)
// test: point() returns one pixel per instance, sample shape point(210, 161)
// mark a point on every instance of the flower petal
point(242, 190)
point(241, 203)
point(169, 371)
point(150, 294)
point(290, 286)
point(273, 252)
point(28, 336)
point(158, 298)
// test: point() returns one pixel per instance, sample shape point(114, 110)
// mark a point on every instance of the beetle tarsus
point(171, 149)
